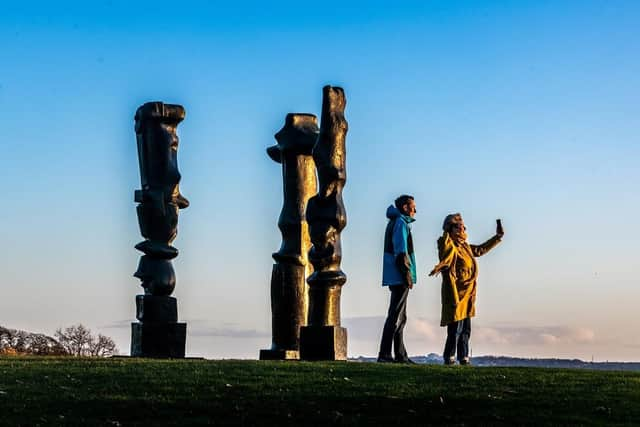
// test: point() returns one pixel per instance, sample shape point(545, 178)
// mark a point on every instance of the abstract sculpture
point(324, 338)
point(158, 334)
point(289, 290)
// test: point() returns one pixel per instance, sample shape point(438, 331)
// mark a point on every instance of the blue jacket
point(397, 240)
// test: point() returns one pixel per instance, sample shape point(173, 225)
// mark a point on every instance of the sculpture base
point(161, 340)
point(323, 343)
point(156, 309)
point(279, 355)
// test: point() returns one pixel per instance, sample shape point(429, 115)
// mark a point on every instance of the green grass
point(58, 391)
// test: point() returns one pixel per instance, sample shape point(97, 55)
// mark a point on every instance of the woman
point(459, 283)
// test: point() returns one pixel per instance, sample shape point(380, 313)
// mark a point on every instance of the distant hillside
point(436, 359)
point(13, 341)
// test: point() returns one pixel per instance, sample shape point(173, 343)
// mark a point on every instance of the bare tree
point(21, 342)
point(103, 346)
point(42, 345)
point(78, 341)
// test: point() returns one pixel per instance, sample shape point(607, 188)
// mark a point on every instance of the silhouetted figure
point(289, 289)
point(158, 334)
point(323, 338)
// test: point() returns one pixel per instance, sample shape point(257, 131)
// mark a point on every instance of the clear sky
point(523, 110)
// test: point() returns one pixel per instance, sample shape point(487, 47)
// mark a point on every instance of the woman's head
point(454, 225)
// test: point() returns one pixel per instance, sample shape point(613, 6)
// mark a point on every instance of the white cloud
point(422, 328)
point(422, 335)
point(534, 335)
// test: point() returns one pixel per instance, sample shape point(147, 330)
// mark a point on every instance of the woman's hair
point(451, 220)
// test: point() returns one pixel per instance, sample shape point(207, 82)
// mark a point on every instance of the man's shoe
point(406, 361)
point(385, 359)
point(465, 361)
point(450, 361)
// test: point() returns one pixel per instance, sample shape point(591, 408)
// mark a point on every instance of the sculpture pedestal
point(158, 334)
point(163, 340)
point(323, 343)
point(279, 355)
point(324, 338)
point(150, 308)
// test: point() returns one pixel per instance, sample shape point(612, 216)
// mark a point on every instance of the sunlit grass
point(50, 391)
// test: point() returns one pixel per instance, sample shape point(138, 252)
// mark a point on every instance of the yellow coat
point(459, 276)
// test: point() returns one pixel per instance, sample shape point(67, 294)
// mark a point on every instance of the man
point(399, 274)
point(459, 284)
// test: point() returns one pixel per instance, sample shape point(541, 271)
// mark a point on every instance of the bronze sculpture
point(158, 334)
point(324, 338)
point(289, 290)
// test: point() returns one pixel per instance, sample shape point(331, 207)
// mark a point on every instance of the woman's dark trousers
point(394, 325)
point(458, 334)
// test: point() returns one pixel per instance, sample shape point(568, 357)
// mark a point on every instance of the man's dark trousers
point(394, 325)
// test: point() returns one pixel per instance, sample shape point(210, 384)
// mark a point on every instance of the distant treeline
point(16, 342)
point(75, 340)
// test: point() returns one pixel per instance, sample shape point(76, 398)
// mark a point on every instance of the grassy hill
point(114, 392)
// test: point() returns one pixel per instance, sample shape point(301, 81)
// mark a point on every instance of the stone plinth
point(279, 354)
point(151, 308)
point(158, 334)
point(323, 343)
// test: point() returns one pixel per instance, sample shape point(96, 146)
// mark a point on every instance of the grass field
point(112, 392)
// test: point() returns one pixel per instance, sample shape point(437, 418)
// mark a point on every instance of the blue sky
point(527, 111)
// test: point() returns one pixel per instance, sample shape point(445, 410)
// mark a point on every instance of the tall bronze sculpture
point(324, 338)
point(289, 290)
point(158, 334)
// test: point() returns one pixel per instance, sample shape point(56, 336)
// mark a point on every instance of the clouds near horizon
point(422, 336)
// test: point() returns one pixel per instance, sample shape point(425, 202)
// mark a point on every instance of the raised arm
point(479, 250)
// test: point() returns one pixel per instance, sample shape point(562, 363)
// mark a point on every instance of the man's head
point(406, 204)
point(454, 225)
